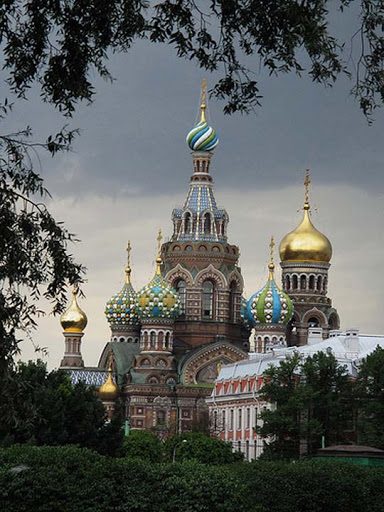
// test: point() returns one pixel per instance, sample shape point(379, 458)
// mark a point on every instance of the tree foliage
point(370, 388)
point(312, 399)
point(77, 480)
point(141, 444)
point(201, 448)
point(61, 44)
point(41, 408)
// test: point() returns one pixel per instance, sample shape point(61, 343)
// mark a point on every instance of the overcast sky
point(131, 166)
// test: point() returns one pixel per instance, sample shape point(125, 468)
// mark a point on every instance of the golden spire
point(158, 259)
point(203, 104)
point(128, 268)
point(271, 265)
point(109, 390)
point(74, 319)
point(307, 182)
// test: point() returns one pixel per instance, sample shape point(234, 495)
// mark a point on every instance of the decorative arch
point(211, 273)
point(177, 273)
point(315, 313)
point(204, 364)
point(238, 278)
point(333, 319)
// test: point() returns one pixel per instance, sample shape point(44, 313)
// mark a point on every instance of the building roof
point(349, 350)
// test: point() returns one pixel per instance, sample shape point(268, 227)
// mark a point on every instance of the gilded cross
point(203, 99)
point(272, 246)
point(159, 239)
point(306, 183)
point(128, 252)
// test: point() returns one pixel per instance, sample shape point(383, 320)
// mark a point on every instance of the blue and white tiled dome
point(245, 315)
point(122, 308)
point(158, 299)
point(270, 305)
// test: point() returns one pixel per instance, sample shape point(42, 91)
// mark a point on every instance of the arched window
point(207, 224)
point(232, 302)
point(161, 417)
point(303, 282)
point(288, 283)
point(167, 336)
point(180, 287)
point(311, 282)
point(152, 339)
point(187, 223)
point(208, 299)
point(313, 322)
point(319, 283)
point(325, 285)
point(294, 282)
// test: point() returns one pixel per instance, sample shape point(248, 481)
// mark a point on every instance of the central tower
point(199, 262)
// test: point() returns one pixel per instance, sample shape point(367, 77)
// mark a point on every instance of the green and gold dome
point(270, 305)
point(122, 308)
point(158, 299)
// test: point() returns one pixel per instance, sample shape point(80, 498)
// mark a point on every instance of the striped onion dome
point(270, 305)
point(245, 315)
point(202, 137)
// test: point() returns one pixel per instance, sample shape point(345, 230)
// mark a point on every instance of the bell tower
point(305, 255)
point(198, 260)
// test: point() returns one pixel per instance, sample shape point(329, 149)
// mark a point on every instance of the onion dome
point(245, 315)
point(74, 319)
point(109, 391)
point(202, 137)
point(122, 308)
point(158, 299)
point(306, 243)
point(270, 305)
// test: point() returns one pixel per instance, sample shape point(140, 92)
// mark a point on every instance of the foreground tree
point(59, 44)
point(371, 400)
point(201, 448)
point(41, 408)
point(313, 400)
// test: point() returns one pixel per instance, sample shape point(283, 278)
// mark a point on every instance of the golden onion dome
point(109, 391)
point(74, 319)
point(306, 243)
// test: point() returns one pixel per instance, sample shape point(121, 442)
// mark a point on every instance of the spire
point(271, 265)
point(128, 268)
point(307, 182)
point(158, 259)
point(203, 104)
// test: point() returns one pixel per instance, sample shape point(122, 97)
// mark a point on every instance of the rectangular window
point(231, 420)
point(240, 418)
point(248, 417)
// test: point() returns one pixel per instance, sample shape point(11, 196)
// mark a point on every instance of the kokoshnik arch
point(169, 339)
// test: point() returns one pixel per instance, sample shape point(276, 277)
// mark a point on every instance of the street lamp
point(175, 448)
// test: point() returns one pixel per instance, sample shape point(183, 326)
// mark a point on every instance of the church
point(170, 338)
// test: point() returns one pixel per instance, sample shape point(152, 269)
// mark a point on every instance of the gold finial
point(306, 183)
point(128, 267)
point(109, 391)
point(271, 265)
point(203, 104)
point(158, 259)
